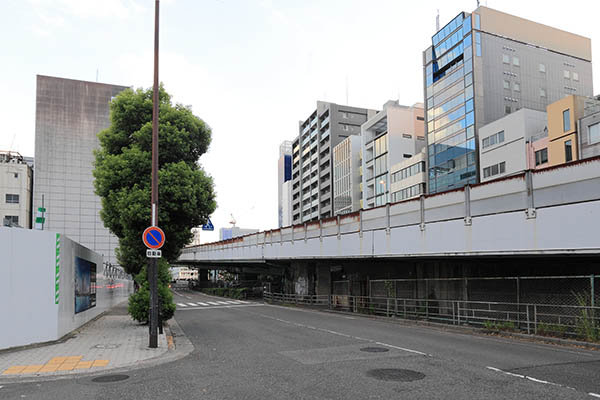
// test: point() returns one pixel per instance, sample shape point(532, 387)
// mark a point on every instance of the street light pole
point(152, 262)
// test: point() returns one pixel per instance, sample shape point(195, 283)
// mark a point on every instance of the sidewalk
point(112, 341)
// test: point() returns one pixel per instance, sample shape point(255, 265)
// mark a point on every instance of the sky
point(251, 69)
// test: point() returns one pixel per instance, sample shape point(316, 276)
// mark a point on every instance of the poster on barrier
point(85, 285)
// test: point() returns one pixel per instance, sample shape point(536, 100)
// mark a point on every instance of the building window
point(575, 76)
point(594, 133)
point(516, 61)
point(542, 92)
point(541, 157)
point(507, 109)
point(568, 151)
point(420, 118)
point(11, 220)
point(12, 199)
point(542, 68)
point(16, 175)
point(495, 169)
point(566, 74)
point(566, 120)
point(505, 58)
point(517, 87)
point(506, 84)
point(493, 139)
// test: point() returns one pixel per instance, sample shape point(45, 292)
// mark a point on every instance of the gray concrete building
point(312, 157)
point(69, 115)
point(503, 143)
point(347, 179)
point(482, 66)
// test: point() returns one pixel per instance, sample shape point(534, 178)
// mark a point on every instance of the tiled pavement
point(112, 341)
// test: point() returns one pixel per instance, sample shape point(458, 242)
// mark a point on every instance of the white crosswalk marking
point(191, 304)
point(181, 305)
point(223, 302)
point(202, 304)
point(213, 303)
point(243, 302)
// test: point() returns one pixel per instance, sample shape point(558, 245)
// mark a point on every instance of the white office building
point(15, 190)
point(391, 136)
point(503, 144)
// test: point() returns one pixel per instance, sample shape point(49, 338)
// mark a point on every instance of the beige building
point(16, 179)
point(563, 143)
point(408, 178)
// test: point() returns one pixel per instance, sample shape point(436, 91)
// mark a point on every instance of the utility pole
point(152, 262)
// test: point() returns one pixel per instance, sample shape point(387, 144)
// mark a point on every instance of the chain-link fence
point(549, 290)
point(561, 306)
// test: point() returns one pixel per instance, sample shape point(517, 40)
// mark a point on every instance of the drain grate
point(374, 349)
point(110, 378)
point(395, 374)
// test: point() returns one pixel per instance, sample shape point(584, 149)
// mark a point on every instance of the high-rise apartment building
point(284, 184)
point(347, 164)
point(482, 66)
point(69, 115)
point(391, 136)
point(16, 180)
point(312, 160)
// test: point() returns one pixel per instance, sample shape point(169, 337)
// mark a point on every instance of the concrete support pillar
point(303, 277)
point(323, 284)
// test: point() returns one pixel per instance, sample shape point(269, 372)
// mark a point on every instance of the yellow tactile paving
point(17, 369)
point(84, 364)
point(32, 369)
point(58, 360)
point(48, 368)
point(66, 363)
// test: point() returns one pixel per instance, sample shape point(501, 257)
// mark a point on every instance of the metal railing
point(568, 321)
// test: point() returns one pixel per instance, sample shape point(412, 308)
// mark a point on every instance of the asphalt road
point(255, 351)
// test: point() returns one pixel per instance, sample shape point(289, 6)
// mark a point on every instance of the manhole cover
point(395, 374)
point(374, 349)
point(110, 378)
point(106, 346)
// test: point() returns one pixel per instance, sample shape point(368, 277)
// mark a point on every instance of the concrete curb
point(179, 346)
point(457, 328)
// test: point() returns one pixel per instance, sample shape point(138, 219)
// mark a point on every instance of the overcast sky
point(250, 68)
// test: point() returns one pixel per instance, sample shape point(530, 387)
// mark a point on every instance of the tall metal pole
point(152, 262)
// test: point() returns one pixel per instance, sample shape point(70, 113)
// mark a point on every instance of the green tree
point(123, 171)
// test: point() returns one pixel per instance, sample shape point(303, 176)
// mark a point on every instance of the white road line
point(215, 307)
point(530, 378)
point(233, 302)
point(181, 305)
point(243, 302)
point(345, 335)
point(222, 302)
point(403, 349)
point(191, 304)
point(201, 304)
point(591, 394)
point(213, 303)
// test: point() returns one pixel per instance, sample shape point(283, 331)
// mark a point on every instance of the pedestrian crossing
point(208, 304)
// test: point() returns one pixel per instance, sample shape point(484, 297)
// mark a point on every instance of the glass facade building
point(449, 101)
point(482, 66)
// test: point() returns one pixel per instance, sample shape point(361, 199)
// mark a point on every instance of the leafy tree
point(139, 301)
point(123, 172)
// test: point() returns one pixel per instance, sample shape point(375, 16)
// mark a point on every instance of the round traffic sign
point(153, 237)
